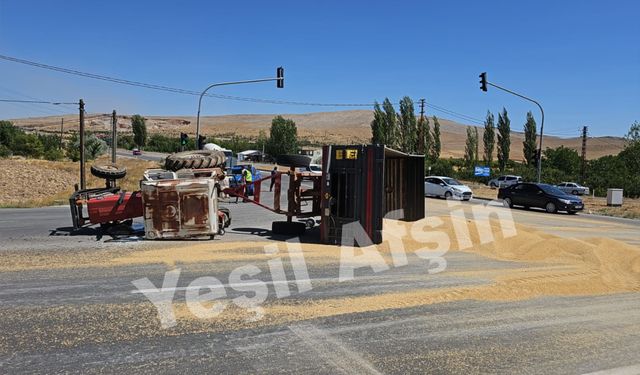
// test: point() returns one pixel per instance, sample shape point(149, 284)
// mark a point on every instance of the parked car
point(573, 188)
point(312, 169)
point(544, 196)
point(446, 187)
point(315, 169)
point(506, 180)
point(136, 151)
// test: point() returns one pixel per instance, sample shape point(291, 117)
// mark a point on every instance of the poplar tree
point(489, 139)
point(504, 140)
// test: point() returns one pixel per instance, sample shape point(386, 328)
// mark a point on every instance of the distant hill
point(319, 127)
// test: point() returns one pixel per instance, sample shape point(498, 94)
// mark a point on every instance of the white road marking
point(333, 351)
point(627, 370)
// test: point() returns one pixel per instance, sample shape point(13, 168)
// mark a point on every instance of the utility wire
point(219, 96)
point(32, 101)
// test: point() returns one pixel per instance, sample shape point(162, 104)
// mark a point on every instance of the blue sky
point(580, 59)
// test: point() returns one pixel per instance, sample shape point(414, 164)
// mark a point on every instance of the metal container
point(361, 184)
point(180, 208)
point(614, 197)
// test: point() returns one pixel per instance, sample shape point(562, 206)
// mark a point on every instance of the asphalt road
point(73, 320)
point(150, 156)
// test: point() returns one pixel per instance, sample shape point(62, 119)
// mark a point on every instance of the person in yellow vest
point(247, 178)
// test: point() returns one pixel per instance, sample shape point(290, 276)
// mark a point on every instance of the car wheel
point(448, 195)
point(574, 192)
point(551, 208)
point(493, 185)
point(507, 202)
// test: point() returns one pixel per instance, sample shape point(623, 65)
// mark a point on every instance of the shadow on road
point(310, 236)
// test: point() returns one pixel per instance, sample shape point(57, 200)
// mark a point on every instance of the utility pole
point(61, 131)
point(583, 166)
point(421, 135)
point(114, 136)
point(483, 86)
point(83, 183)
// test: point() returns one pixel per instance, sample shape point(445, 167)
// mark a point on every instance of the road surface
point(89, 318)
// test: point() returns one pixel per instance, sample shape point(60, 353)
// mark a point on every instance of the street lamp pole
point(279, 78)
point(539, 156)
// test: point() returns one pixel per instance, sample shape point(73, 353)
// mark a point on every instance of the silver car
point(504, 181)
point(573, 188)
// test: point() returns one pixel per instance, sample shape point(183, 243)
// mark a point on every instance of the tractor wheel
point(227, 216)
point(296, 161)
point(195, 160)
point(108, 171)
point(288, 228)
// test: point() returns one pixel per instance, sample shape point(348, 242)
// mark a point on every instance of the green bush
point(54, 154)
point(440, 167)
point(27, 145)
point(5, 152)
point(93, 147)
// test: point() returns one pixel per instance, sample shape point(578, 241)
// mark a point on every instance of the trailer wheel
point(310, 223)
point(288, 228)
point(108, 171)
point(194, 159)
point(294, 160)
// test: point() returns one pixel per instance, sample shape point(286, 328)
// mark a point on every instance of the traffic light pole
point(279, 79)
point(541, 122)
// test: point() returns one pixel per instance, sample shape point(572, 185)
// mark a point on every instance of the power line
point(32, 101)
point(219, 96)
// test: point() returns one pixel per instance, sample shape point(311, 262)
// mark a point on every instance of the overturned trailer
point(363, 184)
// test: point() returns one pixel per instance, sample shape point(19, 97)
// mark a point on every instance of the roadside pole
point(114, 136)
point(483, 86)
point(61, 131)
point(279, 84)
point(421, 135)
point(83, 183)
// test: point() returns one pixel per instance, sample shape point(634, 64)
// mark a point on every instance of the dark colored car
point(544, 196)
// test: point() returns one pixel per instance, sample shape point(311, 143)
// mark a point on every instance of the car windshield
point(451, 181)
point(551, 189)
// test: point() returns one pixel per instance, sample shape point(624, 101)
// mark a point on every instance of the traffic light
point(183, 139)
point(201, 139)
point(280, 76)
point(483, 81)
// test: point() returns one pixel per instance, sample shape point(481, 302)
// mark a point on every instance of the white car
point(446, 187)
point(504, 181)
point(573, 188)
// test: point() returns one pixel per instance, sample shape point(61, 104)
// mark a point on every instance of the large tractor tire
point(296, 161)
point(108, 171)
point(195, 160)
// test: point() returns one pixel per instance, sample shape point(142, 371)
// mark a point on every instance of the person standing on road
point(247, 179)
point(274, 171)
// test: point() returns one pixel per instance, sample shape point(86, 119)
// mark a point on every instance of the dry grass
point(338, 127)
point(37, 183)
